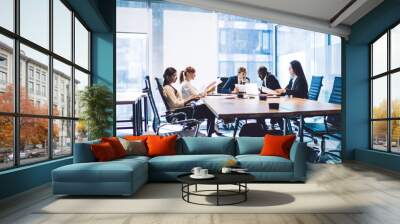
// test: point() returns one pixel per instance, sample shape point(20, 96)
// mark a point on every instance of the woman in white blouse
point(185, 78)
point(188, 90)
point(177, 103)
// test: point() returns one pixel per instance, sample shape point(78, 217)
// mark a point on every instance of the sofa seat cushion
point(185, 163)
point(257, 163)
point(112, 171)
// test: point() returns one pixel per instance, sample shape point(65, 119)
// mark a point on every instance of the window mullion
point(50, 81)
point(16, 85)
point(73, 81)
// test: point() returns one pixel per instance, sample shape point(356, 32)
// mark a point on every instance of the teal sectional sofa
point(125, 176)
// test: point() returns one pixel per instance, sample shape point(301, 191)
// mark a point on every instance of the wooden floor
point(378, 189)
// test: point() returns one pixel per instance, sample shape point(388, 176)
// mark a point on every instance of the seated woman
point(177, 103)
point(297, 86)
point(188, 90)
point(241, 78)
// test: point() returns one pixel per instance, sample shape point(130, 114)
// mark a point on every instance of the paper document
point(268, 91)
point(212, 86)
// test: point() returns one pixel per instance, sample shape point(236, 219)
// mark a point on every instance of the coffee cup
point(226, 170)
point(273, 106)
point(240, 95)
point(196, 171)
point(262, 97)
point(203, 172)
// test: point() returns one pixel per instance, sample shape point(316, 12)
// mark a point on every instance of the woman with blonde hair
point(188, 90)
point(176, 102)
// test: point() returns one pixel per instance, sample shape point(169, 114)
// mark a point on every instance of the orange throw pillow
point(116, 145)
point(277, 145)
point(161, 145)
point(103, 152)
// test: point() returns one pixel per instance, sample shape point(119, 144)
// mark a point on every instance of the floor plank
point(376, 189)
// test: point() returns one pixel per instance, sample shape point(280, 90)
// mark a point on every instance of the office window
point(385, 96)
point(7, 14)
point(395, 47)
point(40, 62)
point(35, 21)
point(33, 140)
point(6, 142)
point(81, 45)
point(44, 132)
point(62, 138)
point(61, 72)
point(62, 29)
point(7, 75)
point(81, 82)
point(318, 53)
point(221, 43)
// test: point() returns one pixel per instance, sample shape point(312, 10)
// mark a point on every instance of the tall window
point(385, 96)
point(40, 80)
point(216, 44)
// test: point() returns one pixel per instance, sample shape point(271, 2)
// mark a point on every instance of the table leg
point(245, 193)
point(301, 129)
point(146, 118)
point(140, 120)
point(134, 131)
point(284, 126)
point(217, 194)
point(236, 127)
point(188, 192)
point(195, 188)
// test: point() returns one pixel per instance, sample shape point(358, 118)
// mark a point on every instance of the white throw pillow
point(134, 147)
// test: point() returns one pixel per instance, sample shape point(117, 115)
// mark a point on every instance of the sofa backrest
point(206, 145)
point(83, 152)
point(249, 145)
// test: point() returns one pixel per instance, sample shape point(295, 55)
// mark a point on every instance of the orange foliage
point(33, 130)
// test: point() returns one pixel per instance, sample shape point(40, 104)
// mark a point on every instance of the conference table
point(230, 107)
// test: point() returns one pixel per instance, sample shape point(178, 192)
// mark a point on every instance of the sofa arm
point(298, 155)
point(83, 152)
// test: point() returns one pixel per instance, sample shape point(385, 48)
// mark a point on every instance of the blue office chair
point(222, 84)
point(332, 124)
point(315, 87)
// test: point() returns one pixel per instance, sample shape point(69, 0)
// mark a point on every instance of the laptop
point(251, 89)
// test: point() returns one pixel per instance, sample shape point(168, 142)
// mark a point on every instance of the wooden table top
point(233, 107)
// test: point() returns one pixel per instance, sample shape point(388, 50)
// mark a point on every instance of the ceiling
point(327, 16)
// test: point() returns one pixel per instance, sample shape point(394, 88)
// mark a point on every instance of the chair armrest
point(298, 155)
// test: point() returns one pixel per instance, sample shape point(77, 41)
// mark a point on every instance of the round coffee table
point(238, 179)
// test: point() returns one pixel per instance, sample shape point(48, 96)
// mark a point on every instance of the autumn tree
point(380, 127)
point(33, 131)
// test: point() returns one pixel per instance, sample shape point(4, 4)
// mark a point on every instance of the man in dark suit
point(240, 78)
point(268, 79)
